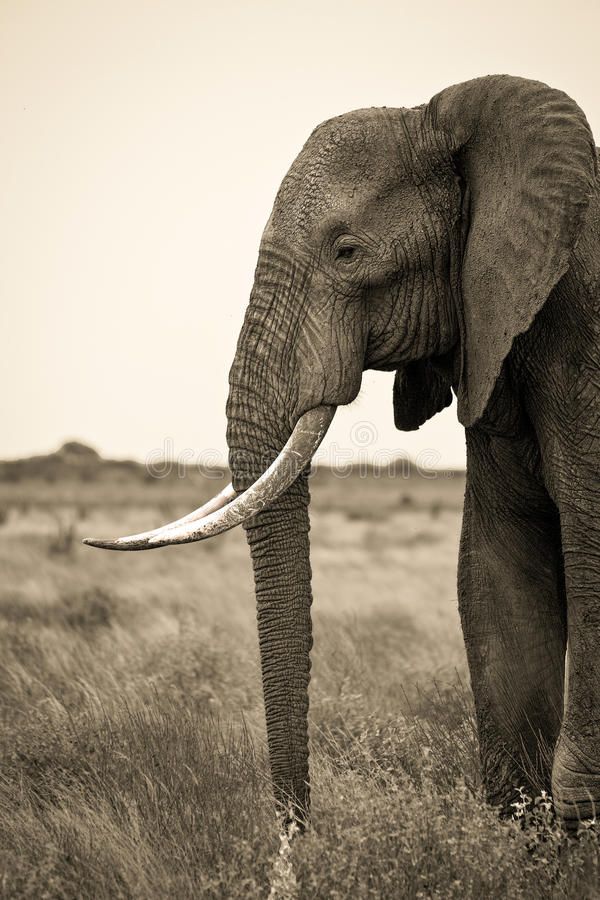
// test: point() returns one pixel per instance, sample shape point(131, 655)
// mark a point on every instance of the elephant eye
point(346, 252)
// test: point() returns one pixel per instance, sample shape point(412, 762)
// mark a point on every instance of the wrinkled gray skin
point(456, 243)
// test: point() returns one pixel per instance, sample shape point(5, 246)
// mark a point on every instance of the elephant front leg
point(576, 773)
point(511, 599)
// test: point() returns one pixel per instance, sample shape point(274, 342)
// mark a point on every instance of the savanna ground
point(132, 746)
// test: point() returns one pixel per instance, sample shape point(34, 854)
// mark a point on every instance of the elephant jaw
point(227, 510)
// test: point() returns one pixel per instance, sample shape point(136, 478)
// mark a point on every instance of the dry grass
point(133, 760)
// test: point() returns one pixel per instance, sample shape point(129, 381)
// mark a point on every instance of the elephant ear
point(528, 159)
point(419, 393)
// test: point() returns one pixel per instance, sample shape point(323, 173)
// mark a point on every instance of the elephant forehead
point(344, 160)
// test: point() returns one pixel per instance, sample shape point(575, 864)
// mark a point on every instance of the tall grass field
point(133, 760)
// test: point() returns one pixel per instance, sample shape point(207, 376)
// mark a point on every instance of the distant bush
point(10, 472)
point(89, 610)
point(63, 539)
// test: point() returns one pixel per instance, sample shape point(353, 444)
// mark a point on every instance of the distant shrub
point(11, 472)
point(62, 542)
point(85, 611)
point(89, 610)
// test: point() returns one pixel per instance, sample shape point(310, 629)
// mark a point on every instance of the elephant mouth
point(227, 509)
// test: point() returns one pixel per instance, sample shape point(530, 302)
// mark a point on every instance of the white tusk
point(217, 502)
point(227, 510)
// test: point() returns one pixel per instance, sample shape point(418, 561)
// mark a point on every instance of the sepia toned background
point(141, 147)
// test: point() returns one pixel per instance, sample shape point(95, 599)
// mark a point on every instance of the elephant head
point(417, 240)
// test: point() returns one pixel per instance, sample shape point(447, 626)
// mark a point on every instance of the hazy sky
point(142, 145)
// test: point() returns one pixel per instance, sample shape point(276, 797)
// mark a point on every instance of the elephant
point(457, 244)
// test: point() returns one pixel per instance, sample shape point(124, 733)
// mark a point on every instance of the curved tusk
point(223, 511)
point(217, 502)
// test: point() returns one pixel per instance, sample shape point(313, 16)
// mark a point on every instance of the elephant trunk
point(261, 413)
point(269, 495)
